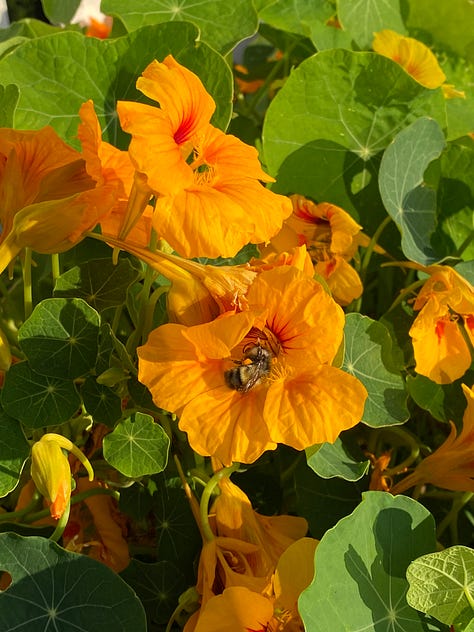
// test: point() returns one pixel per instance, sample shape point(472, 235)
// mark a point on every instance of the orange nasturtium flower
point(446, 303)
point(51, 472)
point(247, 381)
point(451, 466)
point(210, 201)
point(331, 237)
point(47, 198)
point(414, 56)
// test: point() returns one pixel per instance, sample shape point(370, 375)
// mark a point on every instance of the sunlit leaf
point(297, 16)
point(74, 68)
point(361, 565)
point(137, 446)
point(222, 24)
point(363, 18)
point(332, 459)
point(442, 584)
point(9, 96)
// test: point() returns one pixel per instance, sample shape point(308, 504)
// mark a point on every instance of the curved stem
point(206, 497)
point(14, 515)
point(61, 524)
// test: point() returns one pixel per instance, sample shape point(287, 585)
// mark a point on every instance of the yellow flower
point(446, 303)
point(51, 473)
point(205, 181)
point(247, 381)
point(331, 237)
point(414, 56)
point(47, 198)
point(451, 466)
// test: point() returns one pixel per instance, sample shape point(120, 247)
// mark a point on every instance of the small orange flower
point(246, 86)
point(451, 466)
point(331, 237)
point(414, 56)
point(446, 303)
point(265, 374)
point(205, 181)
point(99, 29)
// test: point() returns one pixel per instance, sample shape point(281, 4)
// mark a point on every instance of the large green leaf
point(14, 449)
point(60, 338)
point(138, 446)
point(363, 18)
point(60, 11)
point(326, 128)
point(442, 584)
point(298, 16)
point(444, 401)
point(38, 400)
point(54, 589)
point(368, 356)
point(57, 73)
point(222, 24)
point(360, 581)
point(410, 203)
point(9, 96)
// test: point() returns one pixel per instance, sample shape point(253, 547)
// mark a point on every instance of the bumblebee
point(255, 364)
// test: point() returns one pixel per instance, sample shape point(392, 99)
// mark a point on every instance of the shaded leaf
point(55, 589)
point(368, 356)
point(60, 11)
point(363, 18)
point(14, 449)
point(444, 401)
point(60, 338)
point(410, 203)
point(101, 402)
point(137, 446)
point(332, 459)
point(38, 400)
point(100, 283)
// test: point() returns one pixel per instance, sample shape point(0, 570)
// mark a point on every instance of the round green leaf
point(60, 11)
point(100, 283)
point(297, 16)
point(138, 446)
point(442, 584)
point(57, 73)
point(101, 402)
point(14, 449)
point(368, 356)
point(222, 24)
point(410, 203)
point(363, 18)
point(54, 589)
point(60, 338)
point(158, 586)
point(445, 402)
point(360, 581)
point(336, 112)
point(9, 96)
point(38, 400)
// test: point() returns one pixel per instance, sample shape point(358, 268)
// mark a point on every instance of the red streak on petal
point(439, 329)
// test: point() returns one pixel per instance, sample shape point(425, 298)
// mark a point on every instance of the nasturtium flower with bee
point(205, 181)
point(300, 401)
point(444, 324)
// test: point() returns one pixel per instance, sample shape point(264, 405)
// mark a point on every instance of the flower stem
point(206, 497)
point(61, 524)
point(55, 269)
point(27, 283)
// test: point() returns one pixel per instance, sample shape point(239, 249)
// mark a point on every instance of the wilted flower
point(247, 381)
point(47, 198)
point(331, 237)
point(451, 466)
point(50, 470)
point(446, 304)
point(210, 201)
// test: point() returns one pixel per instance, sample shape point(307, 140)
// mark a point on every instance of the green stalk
point(206, 497)
point(27, 283)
